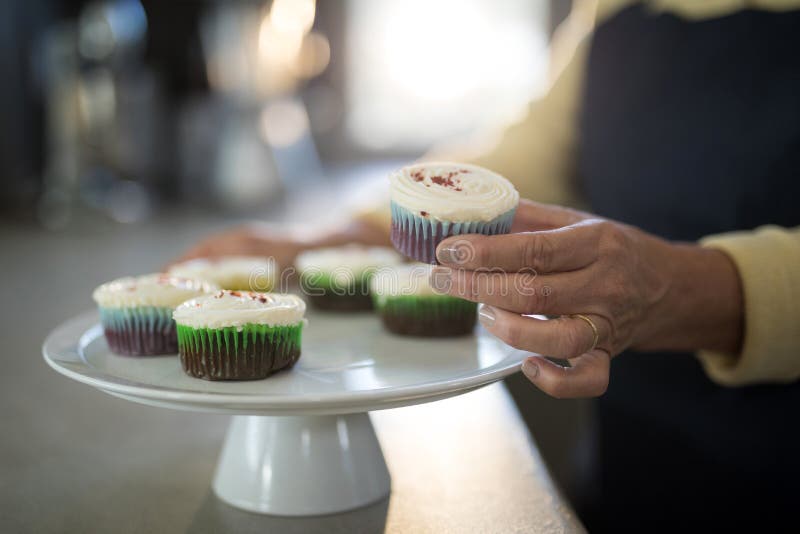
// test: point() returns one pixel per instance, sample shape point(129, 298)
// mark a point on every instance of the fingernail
point(530, 369)
point(440, 279)
point(486, 315)
point(446, 254)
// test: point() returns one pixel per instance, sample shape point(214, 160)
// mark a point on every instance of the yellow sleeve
point(768, 260)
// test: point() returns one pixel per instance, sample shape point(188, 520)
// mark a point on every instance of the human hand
point(247, 240)
point(611, 285)
point(283, 242)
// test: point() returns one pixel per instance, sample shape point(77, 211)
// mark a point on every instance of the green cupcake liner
point(423, 304)
point(238, 353)
point(324, 283)
point(429, 315)
point(232, 337)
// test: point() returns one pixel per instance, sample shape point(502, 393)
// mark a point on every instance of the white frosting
point(346, 263)
point(239, 308)
point(231, 272)
point(403, 280)
point(159, 290)
point(452, 192)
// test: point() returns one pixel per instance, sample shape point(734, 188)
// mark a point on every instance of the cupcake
point(337, 279)
point(136, 312)
point(242, 273)
point(432, 201)
point(239, 335)
point(408, 306)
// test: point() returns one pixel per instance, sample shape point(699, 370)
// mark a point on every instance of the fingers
point(518, 292)
point(565, 337)
point(587, 377)
point(563, 249)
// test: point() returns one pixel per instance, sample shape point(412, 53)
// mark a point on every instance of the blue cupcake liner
point(138, 331)
point(417, 236)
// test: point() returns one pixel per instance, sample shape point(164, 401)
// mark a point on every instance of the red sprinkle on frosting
point(448, 179)
point(445, 181)
point(263, 298)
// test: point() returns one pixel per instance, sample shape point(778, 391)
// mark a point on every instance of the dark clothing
point(690, 129)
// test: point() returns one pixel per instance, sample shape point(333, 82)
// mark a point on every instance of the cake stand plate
point(300, 442)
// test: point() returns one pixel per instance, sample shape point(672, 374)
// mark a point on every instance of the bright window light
point(424, 71)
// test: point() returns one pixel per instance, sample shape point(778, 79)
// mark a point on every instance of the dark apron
point(690, 129)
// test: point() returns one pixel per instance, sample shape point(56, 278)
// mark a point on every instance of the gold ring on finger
point(595, 332)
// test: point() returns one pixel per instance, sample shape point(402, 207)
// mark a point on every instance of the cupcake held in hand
point(136, 312)
point(408, 305)
point(337, 278)
point(241, 273)
point(432, 201)
point(239, 335)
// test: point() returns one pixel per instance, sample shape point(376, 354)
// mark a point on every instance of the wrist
point(702, 308)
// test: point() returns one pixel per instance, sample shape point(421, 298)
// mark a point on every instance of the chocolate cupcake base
point(412, 326)
point(142, 342)
point(142, 331)
point(428, 316)
point(344, 303)
point(323, 294)
point(252, 353)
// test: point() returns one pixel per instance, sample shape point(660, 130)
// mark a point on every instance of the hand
point(247, 240)
point(634, 289)
point(282, 242)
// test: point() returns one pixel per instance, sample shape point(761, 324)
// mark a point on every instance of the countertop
point(73, 459)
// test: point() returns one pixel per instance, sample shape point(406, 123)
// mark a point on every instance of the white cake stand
point(300, 442)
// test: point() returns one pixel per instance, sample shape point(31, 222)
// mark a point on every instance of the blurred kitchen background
point(124, 108)
point(128, 129)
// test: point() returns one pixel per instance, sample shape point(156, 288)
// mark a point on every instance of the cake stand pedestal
point(301, 465)
point(301, 442)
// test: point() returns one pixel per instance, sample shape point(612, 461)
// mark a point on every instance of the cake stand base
point(301, 465)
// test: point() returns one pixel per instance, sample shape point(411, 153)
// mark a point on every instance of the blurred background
point(125, 107)
point(129, 129)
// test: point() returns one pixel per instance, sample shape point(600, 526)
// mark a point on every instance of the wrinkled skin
point(638, 291)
